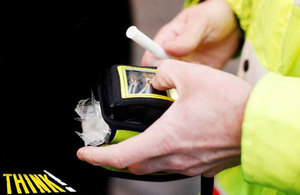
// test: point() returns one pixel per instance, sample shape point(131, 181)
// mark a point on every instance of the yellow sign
point(17, 183)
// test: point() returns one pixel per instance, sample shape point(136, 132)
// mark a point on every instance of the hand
point(206, 33)
point(199, 134)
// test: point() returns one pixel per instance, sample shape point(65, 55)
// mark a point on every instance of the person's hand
point(206, 33)
point(199, 134)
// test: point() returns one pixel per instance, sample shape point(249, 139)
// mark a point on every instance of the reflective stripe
point(297, 3)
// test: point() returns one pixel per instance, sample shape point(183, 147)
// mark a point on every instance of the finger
point(187, 40)
point(211, 169)
point(231, 162)
point(213, 172)
point(152, 165)
point(172, 74)
point(168, 163)
point(136, 149)
point(165, 77)
point(172, 29)
point(180, 164)
point(197, 170)
point(166, 33)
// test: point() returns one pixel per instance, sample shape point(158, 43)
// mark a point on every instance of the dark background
point(51, 53)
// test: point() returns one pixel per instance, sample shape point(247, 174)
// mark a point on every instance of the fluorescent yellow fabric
point(271, 127)
point(188, 3)
point(232, 182)
point(271, 134)
point(122, 135)
point(272, 27)
point(291, 45)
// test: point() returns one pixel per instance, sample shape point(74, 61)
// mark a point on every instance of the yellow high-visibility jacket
point(270, 144)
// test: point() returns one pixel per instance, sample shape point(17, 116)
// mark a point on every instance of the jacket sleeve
point(242, 9)
point(271, 134)
point(188, 3)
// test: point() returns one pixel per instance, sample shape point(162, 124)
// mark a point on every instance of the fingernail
point(80, 153)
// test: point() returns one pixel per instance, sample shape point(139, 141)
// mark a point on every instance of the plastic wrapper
point(95, 131)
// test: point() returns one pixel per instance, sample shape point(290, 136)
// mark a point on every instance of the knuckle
point(118, 163)
point(205, 159)
point(178, 165)
point(167, 146)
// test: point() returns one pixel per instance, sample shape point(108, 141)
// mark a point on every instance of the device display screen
point(139, 82)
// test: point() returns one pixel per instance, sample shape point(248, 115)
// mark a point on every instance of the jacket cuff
point(271, 134)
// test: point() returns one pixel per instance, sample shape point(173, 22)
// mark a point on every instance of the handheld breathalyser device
point(125, 104)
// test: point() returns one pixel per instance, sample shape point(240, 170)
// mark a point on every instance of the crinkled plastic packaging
point(95, 131)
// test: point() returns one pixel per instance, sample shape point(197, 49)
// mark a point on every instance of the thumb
point(131, 151)
point(185, 41)
point(169, 75)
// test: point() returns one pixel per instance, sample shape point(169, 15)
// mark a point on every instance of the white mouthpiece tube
point(143, 40)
